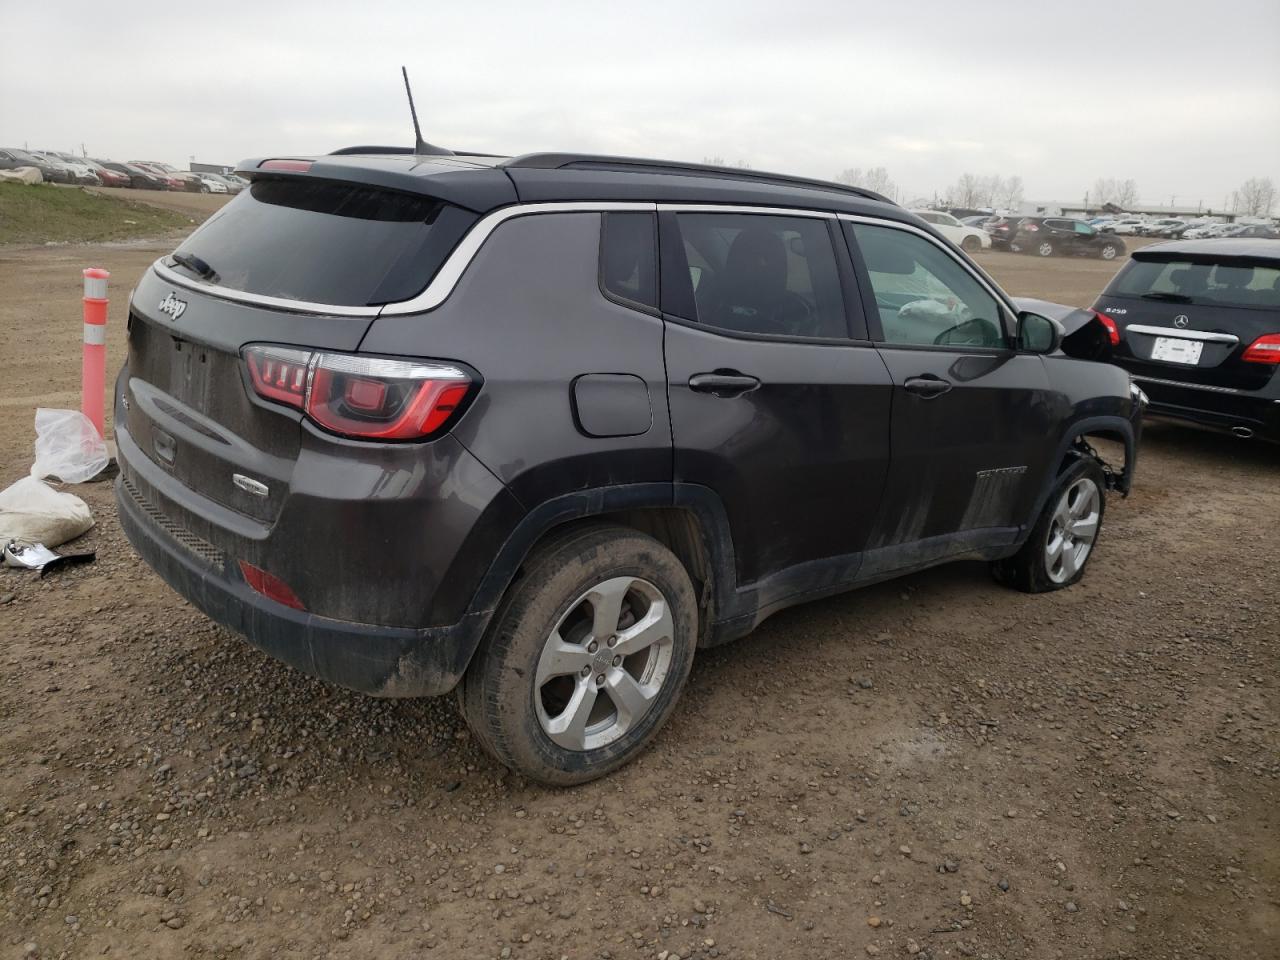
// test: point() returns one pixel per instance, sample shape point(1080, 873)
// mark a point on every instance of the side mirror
point(1037, 334)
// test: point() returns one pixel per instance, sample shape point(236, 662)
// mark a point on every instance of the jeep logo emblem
point(173, 306)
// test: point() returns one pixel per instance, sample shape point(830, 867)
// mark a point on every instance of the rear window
point(324, 242)
point(1184, 281)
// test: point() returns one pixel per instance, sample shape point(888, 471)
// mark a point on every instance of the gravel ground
point(934, 767)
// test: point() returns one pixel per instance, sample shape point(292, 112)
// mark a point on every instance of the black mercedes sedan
point(1197, 325)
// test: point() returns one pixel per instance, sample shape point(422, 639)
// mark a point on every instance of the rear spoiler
point(449, 178)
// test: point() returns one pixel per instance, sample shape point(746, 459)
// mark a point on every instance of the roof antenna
point(421, 147)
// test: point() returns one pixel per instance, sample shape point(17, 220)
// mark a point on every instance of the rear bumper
point(1216, 408)
point(381, 661)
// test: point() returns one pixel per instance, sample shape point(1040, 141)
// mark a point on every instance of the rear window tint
point(325, 242)
point(1183, 281)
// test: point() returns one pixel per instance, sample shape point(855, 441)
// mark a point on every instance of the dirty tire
point(499, 697)
point(1108, 251)
point(1028, 569)
point(971, 245)
point(1045, 248)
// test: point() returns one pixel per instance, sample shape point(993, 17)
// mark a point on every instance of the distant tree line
point(974, 191)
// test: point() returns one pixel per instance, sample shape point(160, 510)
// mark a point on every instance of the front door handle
point(927, 385)
point(728, 383)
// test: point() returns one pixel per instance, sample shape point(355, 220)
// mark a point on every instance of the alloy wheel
point(604, 664)
point(1073, 530)
point(1045, 249)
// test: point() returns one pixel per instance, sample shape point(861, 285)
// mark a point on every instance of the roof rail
point(587, 161)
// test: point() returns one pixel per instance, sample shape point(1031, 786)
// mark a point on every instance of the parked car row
point(57, 167)
point(1175, 228)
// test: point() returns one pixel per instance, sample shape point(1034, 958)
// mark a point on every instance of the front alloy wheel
point(1045, 249)
point(1108, 251)
point(1073, 530)
point(1065, 533)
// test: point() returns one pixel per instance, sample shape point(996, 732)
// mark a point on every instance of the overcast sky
point(1181, 95)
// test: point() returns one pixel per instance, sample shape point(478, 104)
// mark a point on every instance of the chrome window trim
point(447, 277)
point(998, 294)
point(1180, 334)
point(740, 208)
point(170, 275)
point(1189, 386)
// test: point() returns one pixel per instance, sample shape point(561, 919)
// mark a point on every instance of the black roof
point(1213, 249)
point(483, 183)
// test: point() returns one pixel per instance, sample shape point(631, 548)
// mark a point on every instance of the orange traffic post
point(93, 373)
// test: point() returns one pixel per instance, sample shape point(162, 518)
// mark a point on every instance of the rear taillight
point(279, 373)
point(269, 585)
point(1266, 349)
point(371, 398)
point(1113, 328)
point(1030, 227)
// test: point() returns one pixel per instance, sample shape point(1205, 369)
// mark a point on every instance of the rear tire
point(585, 658)
point(1062, 541)
point(1108, 251)
point(971, 245)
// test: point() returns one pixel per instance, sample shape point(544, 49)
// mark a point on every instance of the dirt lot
point(934, 767)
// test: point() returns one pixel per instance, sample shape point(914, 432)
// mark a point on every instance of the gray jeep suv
point(535, 429)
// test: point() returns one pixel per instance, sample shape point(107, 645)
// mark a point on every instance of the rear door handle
point(729, 383)
point(927, 385)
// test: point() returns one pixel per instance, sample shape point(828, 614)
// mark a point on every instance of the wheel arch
point(1074, 444)
point(688, 519)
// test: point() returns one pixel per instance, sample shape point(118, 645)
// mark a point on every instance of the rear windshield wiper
point(197, 266)
point(1171, 297)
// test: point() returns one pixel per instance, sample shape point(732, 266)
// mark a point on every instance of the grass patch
point(45, 213)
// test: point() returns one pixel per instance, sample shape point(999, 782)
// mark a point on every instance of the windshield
point(324, 242)
point(1184, 281)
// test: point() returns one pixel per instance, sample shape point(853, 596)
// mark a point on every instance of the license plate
point(1173, 350)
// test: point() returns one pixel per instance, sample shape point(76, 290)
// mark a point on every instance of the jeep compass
point(534, 430)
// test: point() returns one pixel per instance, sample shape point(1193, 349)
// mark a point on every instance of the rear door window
point(764, 274)
point(1182, 281)
point(326, 242)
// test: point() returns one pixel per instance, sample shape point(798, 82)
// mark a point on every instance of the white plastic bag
point(67, 447)
point(32, 511)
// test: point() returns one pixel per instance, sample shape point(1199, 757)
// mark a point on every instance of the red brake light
point(1031, 227)
point(371, 398)
point(279, 373)
point(295, 166)
point(1113, 328)
point(1266, 349)
point(269, 585)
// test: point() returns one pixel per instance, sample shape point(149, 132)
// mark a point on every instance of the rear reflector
point(370, 398)
point(269, 585)
point(294, 166)
point(1266, 349)
point(1113, 328)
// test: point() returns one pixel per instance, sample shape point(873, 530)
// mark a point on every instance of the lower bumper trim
point(376, 660)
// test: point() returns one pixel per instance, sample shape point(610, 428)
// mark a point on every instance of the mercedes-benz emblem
point(1180, 320)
